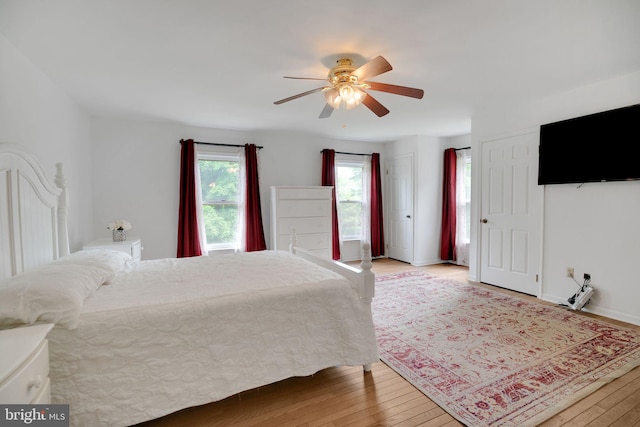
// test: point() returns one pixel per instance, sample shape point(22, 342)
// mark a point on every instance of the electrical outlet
point(570, 272)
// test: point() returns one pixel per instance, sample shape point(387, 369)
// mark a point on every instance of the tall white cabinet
point(307, 210)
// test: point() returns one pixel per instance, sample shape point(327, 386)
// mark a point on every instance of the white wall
point(428, 153)
point(37, 115)
point(594, 228)
point(137, 164)
point(428, 189)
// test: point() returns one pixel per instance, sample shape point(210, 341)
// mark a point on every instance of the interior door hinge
point(536, 278)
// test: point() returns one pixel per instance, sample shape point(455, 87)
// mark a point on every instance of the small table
point(132, 246)
point(24, 365)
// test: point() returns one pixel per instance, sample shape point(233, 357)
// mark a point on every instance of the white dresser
point(132, 246)
point(24, 365)
point(307, 210)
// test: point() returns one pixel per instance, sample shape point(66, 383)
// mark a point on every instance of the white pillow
point(110, 260)
point(55, 292)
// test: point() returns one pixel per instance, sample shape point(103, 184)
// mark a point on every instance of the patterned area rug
point(491, 359)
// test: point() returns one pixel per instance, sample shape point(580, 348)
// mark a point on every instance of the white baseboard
point(612, 314)
point(425, 263)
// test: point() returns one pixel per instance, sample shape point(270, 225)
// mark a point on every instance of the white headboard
point(33, 213)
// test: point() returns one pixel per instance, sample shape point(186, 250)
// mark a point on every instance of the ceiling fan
point(347, 86)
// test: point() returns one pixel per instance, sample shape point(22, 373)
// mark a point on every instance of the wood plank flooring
point(346, 396)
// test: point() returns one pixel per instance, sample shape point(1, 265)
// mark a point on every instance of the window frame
point(359, 164)
point(467, 183)
point(222, 157)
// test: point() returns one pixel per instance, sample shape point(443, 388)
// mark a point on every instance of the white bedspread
point(170, 334)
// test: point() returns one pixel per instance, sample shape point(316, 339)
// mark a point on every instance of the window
point(219, 185)
point(467, 195)
point(349, 194)
point(463, 206)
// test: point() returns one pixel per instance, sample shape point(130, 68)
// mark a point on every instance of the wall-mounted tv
point(599, 147)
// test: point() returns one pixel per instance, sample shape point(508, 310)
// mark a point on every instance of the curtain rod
point(463, 148)
point(259, 147)
point(350, 154)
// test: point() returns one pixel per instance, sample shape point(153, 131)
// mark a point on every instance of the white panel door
point(510, 214)
point(400, 208)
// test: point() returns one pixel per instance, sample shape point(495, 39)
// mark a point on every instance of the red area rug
point(491, 359)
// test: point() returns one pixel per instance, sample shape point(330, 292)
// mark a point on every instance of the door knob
point(408, 216)
point(484, 220)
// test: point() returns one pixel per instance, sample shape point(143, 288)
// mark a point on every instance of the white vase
point(119, 235)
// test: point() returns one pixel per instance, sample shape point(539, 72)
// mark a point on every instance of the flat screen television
point(595, 148)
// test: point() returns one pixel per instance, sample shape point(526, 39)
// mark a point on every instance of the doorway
point(510, 218)
point(400, 208)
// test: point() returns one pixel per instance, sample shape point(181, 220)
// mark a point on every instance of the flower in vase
point(120, 224)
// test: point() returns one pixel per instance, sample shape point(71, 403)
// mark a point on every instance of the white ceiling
point(220, 63)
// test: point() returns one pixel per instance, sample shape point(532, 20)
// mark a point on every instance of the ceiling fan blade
point(303, 78)
point(398, 90)
point(326, 111)
point(300, 95)
point(375, 67)
point(373, 104)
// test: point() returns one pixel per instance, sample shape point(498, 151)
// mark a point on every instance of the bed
point(136, 341)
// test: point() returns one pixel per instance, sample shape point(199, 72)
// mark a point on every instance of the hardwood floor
point(346, 396)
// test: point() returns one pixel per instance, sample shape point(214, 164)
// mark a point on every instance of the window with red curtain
point(329, 179)
point(377, 221)
point(254, 238)
point(448, 233)
point(188, 229)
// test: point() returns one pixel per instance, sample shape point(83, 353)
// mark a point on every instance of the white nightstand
point(132, 246)
point(24, 365)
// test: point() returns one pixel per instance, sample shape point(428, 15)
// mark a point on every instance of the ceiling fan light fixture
point(346, 92)
point(332, 96)
point(356, 96)
point(345, 95)
point(347, 87)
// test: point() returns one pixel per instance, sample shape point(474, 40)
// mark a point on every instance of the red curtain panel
point(329, 179)
point(377, 221)
point(188, 231)
point(253, 210)
point(448, 234)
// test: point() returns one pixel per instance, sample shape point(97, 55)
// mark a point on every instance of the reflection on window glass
point(219, 186)
point(467, 192)
point(220, 223)
point(350, 201)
